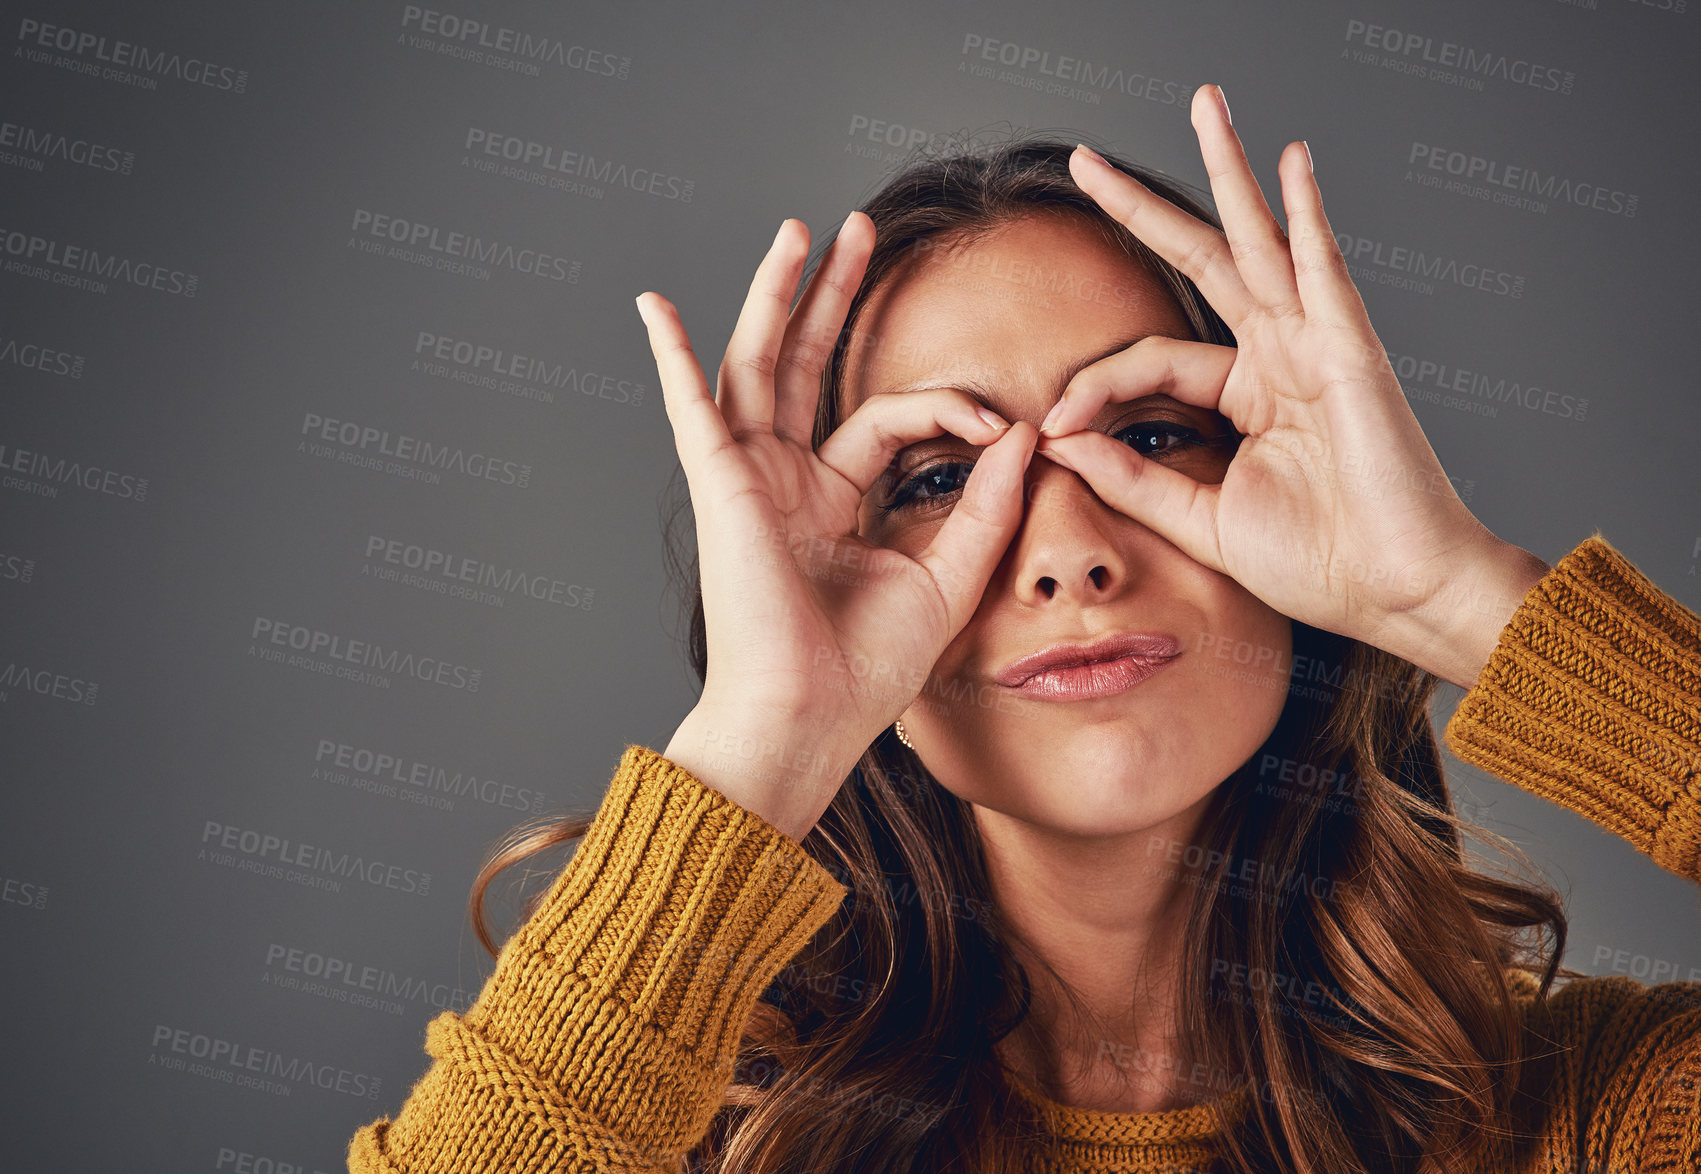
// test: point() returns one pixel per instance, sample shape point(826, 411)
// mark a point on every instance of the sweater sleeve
point(1592, 699)
point(606, 1034)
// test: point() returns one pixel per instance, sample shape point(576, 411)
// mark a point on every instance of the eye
point(928, 485)
point(1139, 437)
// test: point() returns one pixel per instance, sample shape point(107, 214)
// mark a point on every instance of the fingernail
point(1054, 455)
point(1309, 165)
point(1050, 418)
point(1090, 153)
point(991, 418)
point(1223, 98)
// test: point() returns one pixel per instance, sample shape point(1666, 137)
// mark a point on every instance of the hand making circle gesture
point(803, 616)
point(1335, 510)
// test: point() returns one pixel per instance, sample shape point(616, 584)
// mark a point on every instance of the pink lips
point(1101, 669)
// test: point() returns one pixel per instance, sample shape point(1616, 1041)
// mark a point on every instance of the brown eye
point(930, 484)
point(1156, 437)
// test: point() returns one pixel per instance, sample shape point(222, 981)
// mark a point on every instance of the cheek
point(879, 527)
point(1248, 657)
point(906, 535)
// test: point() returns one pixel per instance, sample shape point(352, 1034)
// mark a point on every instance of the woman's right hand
point(813, 632)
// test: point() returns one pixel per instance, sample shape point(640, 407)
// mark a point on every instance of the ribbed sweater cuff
point(1592, 699)
point(628, 987)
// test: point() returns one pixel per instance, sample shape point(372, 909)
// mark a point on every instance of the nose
point(1067, 548)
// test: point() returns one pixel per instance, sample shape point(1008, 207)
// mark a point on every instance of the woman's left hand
point(1334, 511)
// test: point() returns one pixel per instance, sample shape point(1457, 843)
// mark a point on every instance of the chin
point(1116, 790)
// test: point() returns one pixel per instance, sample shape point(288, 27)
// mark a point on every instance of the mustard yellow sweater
point(606, 1033)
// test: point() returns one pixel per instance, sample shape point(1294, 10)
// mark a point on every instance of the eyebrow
point(983, 394)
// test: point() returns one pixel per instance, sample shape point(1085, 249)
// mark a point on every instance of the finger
point(1326, 289)
point(862, 448)
point(1167, 501)
point(746, 395)
point(814, 329)
point(1185, 241)
point(699, 430)
point(1256, 241)
point(1192, 372)
point(970, 543)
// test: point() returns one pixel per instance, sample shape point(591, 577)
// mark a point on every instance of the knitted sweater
point(605, 1035)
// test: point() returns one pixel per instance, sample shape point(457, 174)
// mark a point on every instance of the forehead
point(1013, 312)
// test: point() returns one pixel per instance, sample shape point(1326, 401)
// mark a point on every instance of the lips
point(1148, 646)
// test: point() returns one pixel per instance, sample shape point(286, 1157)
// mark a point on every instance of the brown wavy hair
point(875, 1048)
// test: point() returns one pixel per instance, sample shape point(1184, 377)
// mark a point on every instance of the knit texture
point(608, 1028)
point(606, 1033)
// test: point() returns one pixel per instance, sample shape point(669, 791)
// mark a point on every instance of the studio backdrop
point(334, 464)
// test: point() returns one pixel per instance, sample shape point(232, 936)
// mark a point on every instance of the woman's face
point(1015, 313)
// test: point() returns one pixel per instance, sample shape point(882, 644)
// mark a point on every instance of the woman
point(1086, 814)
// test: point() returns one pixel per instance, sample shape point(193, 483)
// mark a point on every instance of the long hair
point(1356, 987)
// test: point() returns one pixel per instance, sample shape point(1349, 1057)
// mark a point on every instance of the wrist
point(783, 767)
point(1456, 630)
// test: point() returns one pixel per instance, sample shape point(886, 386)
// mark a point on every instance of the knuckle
point(1315, 261)
point(1205, 256)
point(1244, 251)
point(876, 403)
point(844, 289)
point(758, 364)
point(806, 354)
point(801, 360)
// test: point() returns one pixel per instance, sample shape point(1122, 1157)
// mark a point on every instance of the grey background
point(117, 923)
